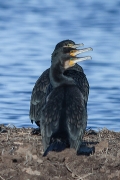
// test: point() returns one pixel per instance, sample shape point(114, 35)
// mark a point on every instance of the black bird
point(59, 99)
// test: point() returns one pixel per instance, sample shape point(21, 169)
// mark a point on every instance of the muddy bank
point(21, 157)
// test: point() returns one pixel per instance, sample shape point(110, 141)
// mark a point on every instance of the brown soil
point(21, 157)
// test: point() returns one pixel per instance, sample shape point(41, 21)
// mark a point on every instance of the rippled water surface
point(29, 31)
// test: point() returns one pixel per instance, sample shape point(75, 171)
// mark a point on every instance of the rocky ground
point(21, 157)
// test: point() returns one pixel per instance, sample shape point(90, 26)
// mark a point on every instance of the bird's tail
point(57, 146)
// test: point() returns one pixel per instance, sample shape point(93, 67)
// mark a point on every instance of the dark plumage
point(59, 99)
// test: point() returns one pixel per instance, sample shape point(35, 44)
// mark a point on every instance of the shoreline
point(21, 157)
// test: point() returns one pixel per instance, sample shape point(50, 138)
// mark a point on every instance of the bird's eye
point(68, 45)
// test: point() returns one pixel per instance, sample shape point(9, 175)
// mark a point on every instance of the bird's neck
point(57, 78)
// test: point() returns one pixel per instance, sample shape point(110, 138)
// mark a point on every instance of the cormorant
point(59, 99)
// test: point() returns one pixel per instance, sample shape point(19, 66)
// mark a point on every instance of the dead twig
point(75, 176)
point(66, 164)
point(2, 178)
point(82, 178)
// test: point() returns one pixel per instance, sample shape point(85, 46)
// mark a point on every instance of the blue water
point(29, 31)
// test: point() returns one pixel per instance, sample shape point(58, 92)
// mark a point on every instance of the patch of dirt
point(21, 157)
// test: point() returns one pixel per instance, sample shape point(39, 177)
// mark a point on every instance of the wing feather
point(81, 81)
point(43, 88)
point(50, 115)
point(38, 96)
point(76, 116)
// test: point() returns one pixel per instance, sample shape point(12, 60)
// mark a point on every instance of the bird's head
point(65, 54)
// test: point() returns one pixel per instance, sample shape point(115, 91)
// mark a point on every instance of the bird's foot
point(84, 150)
point(36, 131)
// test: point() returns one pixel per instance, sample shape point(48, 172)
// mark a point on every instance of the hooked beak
point(79, 51)
point(74, 45)
point(75, 59)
